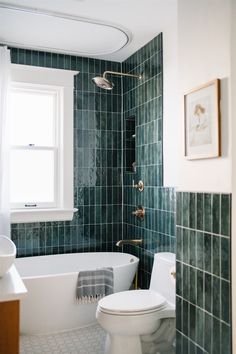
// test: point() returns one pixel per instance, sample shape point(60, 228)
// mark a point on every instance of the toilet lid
point(132, 301)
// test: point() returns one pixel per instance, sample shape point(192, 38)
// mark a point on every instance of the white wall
point(203, 42)
point(170, 102)
point(233, 114)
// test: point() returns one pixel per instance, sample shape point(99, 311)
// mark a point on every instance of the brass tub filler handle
point(139, 212)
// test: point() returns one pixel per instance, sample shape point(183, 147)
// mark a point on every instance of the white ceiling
point(129, 24)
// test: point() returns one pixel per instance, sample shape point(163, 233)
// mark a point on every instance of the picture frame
point(202, 121)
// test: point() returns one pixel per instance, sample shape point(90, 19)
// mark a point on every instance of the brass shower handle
point(139, 212)
point(139, 185)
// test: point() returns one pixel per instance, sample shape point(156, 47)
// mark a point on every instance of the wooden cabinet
point(9, 327)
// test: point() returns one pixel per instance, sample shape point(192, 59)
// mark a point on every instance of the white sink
point(7, 254)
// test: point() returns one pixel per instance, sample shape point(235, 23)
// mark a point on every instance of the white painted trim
point(32, 74)
point(41, 215)
point(64, 81)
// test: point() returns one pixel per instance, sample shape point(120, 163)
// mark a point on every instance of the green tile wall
point(97, 163)
point(143, 100)
point(203, 283)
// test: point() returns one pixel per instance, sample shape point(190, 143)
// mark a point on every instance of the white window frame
point(58, 117)
point(62, 83)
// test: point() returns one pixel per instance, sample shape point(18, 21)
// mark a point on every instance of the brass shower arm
point(120, 74)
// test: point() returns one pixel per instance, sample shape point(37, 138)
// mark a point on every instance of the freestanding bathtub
point(51, 305)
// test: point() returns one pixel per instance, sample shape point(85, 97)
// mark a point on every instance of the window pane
point(32, 176)
point(32, 117)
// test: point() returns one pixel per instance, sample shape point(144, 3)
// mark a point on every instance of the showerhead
point(105, 84)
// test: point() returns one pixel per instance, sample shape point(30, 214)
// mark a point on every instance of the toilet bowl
point(142, 321)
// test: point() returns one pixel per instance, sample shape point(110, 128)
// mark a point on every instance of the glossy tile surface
point(203, 302)
point(142, 100)
point(97, 164)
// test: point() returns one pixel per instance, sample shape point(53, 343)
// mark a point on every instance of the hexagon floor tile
point(81, 341)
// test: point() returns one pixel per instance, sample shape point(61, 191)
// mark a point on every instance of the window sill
point(41, 215)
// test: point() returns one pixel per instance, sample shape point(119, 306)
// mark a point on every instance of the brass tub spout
point(129, 242)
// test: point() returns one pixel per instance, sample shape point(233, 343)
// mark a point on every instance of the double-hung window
point(41, 144)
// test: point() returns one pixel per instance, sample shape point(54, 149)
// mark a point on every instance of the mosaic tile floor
point(89, 340)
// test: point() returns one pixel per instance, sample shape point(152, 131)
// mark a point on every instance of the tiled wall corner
point(97, 163)
point(143, 100)
point(203, 293)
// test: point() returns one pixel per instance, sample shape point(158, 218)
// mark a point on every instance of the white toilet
point(142, 321)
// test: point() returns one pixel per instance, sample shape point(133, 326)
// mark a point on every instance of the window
point(41, 139)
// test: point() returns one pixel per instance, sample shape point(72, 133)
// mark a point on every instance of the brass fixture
point(104, 83)
point(139, 185)
point(136, 281)
point(139, 212)
point(129, 242)
point(173, 274)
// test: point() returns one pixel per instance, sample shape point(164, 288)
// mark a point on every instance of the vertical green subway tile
point(22, 57)
point(208, 332)
point(225, 258)
point(15, 55)
point(207, 252)
point(207, 217)
point(186, 285)
point(185, 318)
point(200, 250)
point(35, 58)
point(216, 255)
point(200, 211)
point(199, 326)
point(42, 59)
point(216, 297)
point(185, 347)
point(179, 278)
point(192, 348)
point(193, 285)
point(200, 279)
point(225, 301)
point(179, 211)
point(209, 289)
point(208, 293)
point(179, 343)
point(185, 210)
point(192, 322)
point(192, 248)
point(179, 313)
point(225, 215)
point(185, 246)
point(216, 336)
point(179, 250)
point(225, 339)
point(216, 214)
point(28, 57)
point(192, 211)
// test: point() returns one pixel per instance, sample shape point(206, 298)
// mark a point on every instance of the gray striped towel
point(92, 285)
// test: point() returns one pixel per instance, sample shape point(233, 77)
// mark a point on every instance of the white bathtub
point(51, 304)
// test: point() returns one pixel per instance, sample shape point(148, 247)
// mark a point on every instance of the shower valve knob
point(139, 185)
point(139, 212)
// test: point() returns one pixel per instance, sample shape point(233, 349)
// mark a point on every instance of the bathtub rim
point(31, 277)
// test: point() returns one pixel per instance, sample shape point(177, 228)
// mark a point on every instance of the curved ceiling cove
point(52, 31)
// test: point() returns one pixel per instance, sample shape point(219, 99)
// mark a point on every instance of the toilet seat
point(134, 302)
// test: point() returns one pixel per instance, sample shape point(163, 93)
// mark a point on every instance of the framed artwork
point(202, 121)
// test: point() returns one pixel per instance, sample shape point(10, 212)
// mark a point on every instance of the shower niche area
point(129, 144)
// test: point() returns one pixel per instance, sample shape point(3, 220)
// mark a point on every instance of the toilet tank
point(162, 280)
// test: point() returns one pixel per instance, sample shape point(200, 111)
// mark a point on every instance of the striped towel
point(92, 285)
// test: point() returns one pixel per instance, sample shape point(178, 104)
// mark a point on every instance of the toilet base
point(123, 344)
